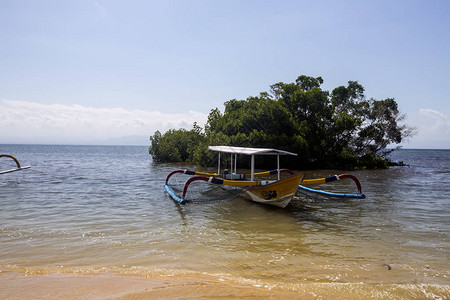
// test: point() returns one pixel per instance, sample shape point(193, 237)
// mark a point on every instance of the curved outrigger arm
point(219, 181)
point(333, 178)
point(188, 172)
point(17, 164)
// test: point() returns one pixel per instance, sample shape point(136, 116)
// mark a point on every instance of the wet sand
point(113, 286)
point(116, 286)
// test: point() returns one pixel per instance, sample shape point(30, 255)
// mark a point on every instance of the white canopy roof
point(250, 151)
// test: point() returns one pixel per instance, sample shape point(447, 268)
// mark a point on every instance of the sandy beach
point(116, 286)
point(113, 286)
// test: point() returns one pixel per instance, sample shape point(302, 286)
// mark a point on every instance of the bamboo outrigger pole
point(17, 163)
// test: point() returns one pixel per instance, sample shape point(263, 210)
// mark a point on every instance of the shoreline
point(118, 286)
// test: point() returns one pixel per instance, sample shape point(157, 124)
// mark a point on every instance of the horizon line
point(141, 145)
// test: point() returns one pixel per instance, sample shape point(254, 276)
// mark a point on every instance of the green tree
point(307, 83)
point(338, 130)
point(380, 127)
point(346, 104)
point(257, 121)
point(175, 145)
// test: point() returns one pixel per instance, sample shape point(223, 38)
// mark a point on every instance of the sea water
point(103, 209)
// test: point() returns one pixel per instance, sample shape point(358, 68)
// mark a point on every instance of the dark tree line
point(341, 129)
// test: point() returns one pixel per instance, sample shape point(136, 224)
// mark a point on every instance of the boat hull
point(278, 193)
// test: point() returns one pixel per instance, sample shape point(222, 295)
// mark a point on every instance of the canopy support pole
point(218, 165)
point(253, 167)
point(278, 166)
point(231, 163)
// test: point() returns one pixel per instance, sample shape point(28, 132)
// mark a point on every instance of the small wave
point(165, 284)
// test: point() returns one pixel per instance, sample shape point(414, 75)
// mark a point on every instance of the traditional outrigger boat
point(19, 167)
point(277, 192)
point(274, 192)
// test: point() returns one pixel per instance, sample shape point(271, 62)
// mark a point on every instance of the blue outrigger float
point(358, 194)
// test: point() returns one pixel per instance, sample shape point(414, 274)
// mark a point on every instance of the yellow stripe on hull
point(278, 193)
point(241, 182)
point(207, 174)
point(313, 181)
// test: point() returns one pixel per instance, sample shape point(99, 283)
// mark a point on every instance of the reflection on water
point(103, 209)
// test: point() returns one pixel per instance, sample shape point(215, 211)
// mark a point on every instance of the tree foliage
point(340, 129)
point(175, 145)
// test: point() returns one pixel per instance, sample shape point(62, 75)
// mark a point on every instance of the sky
point(114, 72)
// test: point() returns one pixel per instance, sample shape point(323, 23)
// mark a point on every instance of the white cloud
point(30, 122)
point(101, 9)
point(440, 122)
point(433, 129)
